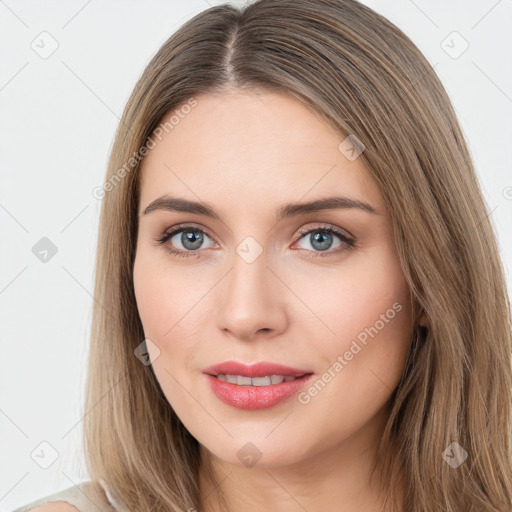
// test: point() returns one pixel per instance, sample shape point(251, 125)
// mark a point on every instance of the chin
point(262, 454)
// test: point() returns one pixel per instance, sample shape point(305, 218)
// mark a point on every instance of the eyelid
point(170, 232)
point(328, 227)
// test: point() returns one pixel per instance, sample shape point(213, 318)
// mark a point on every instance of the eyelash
point(349, 242)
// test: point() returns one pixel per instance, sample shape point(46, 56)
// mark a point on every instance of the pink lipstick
point(256, 386)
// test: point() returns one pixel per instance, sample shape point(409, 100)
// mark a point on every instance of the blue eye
point(190, 237)
point(320, 239)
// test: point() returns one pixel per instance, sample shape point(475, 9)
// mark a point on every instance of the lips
point(257, 386)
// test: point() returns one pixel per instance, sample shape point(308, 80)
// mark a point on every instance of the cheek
point(163, 294)
point(373, 322)
point(367, 328)
point(173, 311)
point(150, 287)
point(162, 303)
point(349, 297)
point(369, 311)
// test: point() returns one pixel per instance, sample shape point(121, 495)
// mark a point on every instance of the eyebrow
point(179, 204)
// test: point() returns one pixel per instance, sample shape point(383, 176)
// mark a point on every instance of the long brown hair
point(367, 78)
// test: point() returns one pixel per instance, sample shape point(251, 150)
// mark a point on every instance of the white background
point(57, 123)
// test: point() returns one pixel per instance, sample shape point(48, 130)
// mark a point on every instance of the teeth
point(241, 380)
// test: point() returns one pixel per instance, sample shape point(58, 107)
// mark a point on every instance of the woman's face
point(253, 281)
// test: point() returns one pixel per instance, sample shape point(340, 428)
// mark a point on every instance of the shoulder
point(55, 506)
point(84, 497)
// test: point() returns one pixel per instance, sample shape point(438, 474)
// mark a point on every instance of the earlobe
point(423, 319)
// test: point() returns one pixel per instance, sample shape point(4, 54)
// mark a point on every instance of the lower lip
point(256, 397)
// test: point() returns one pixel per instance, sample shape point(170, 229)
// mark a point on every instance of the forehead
point(256, 149)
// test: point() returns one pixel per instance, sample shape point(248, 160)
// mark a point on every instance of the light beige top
point(86, 497)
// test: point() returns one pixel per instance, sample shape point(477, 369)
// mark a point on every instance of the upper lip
point(262, 369)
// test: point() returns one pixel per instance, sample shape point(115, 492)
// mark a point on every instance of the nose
point(251, 301)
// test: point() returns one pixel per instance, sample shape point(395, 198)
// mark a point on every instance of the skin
point(246, 154)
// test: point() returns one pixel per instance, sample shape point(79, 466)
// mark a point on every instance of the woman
point(299, 299)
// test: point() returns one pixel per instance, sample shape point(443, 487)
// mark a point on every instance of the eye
point(320, 239)
point(188, 240)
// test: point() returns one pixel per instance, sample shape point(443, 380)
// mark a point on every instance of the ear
point(420, 316)
point(423, 319)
